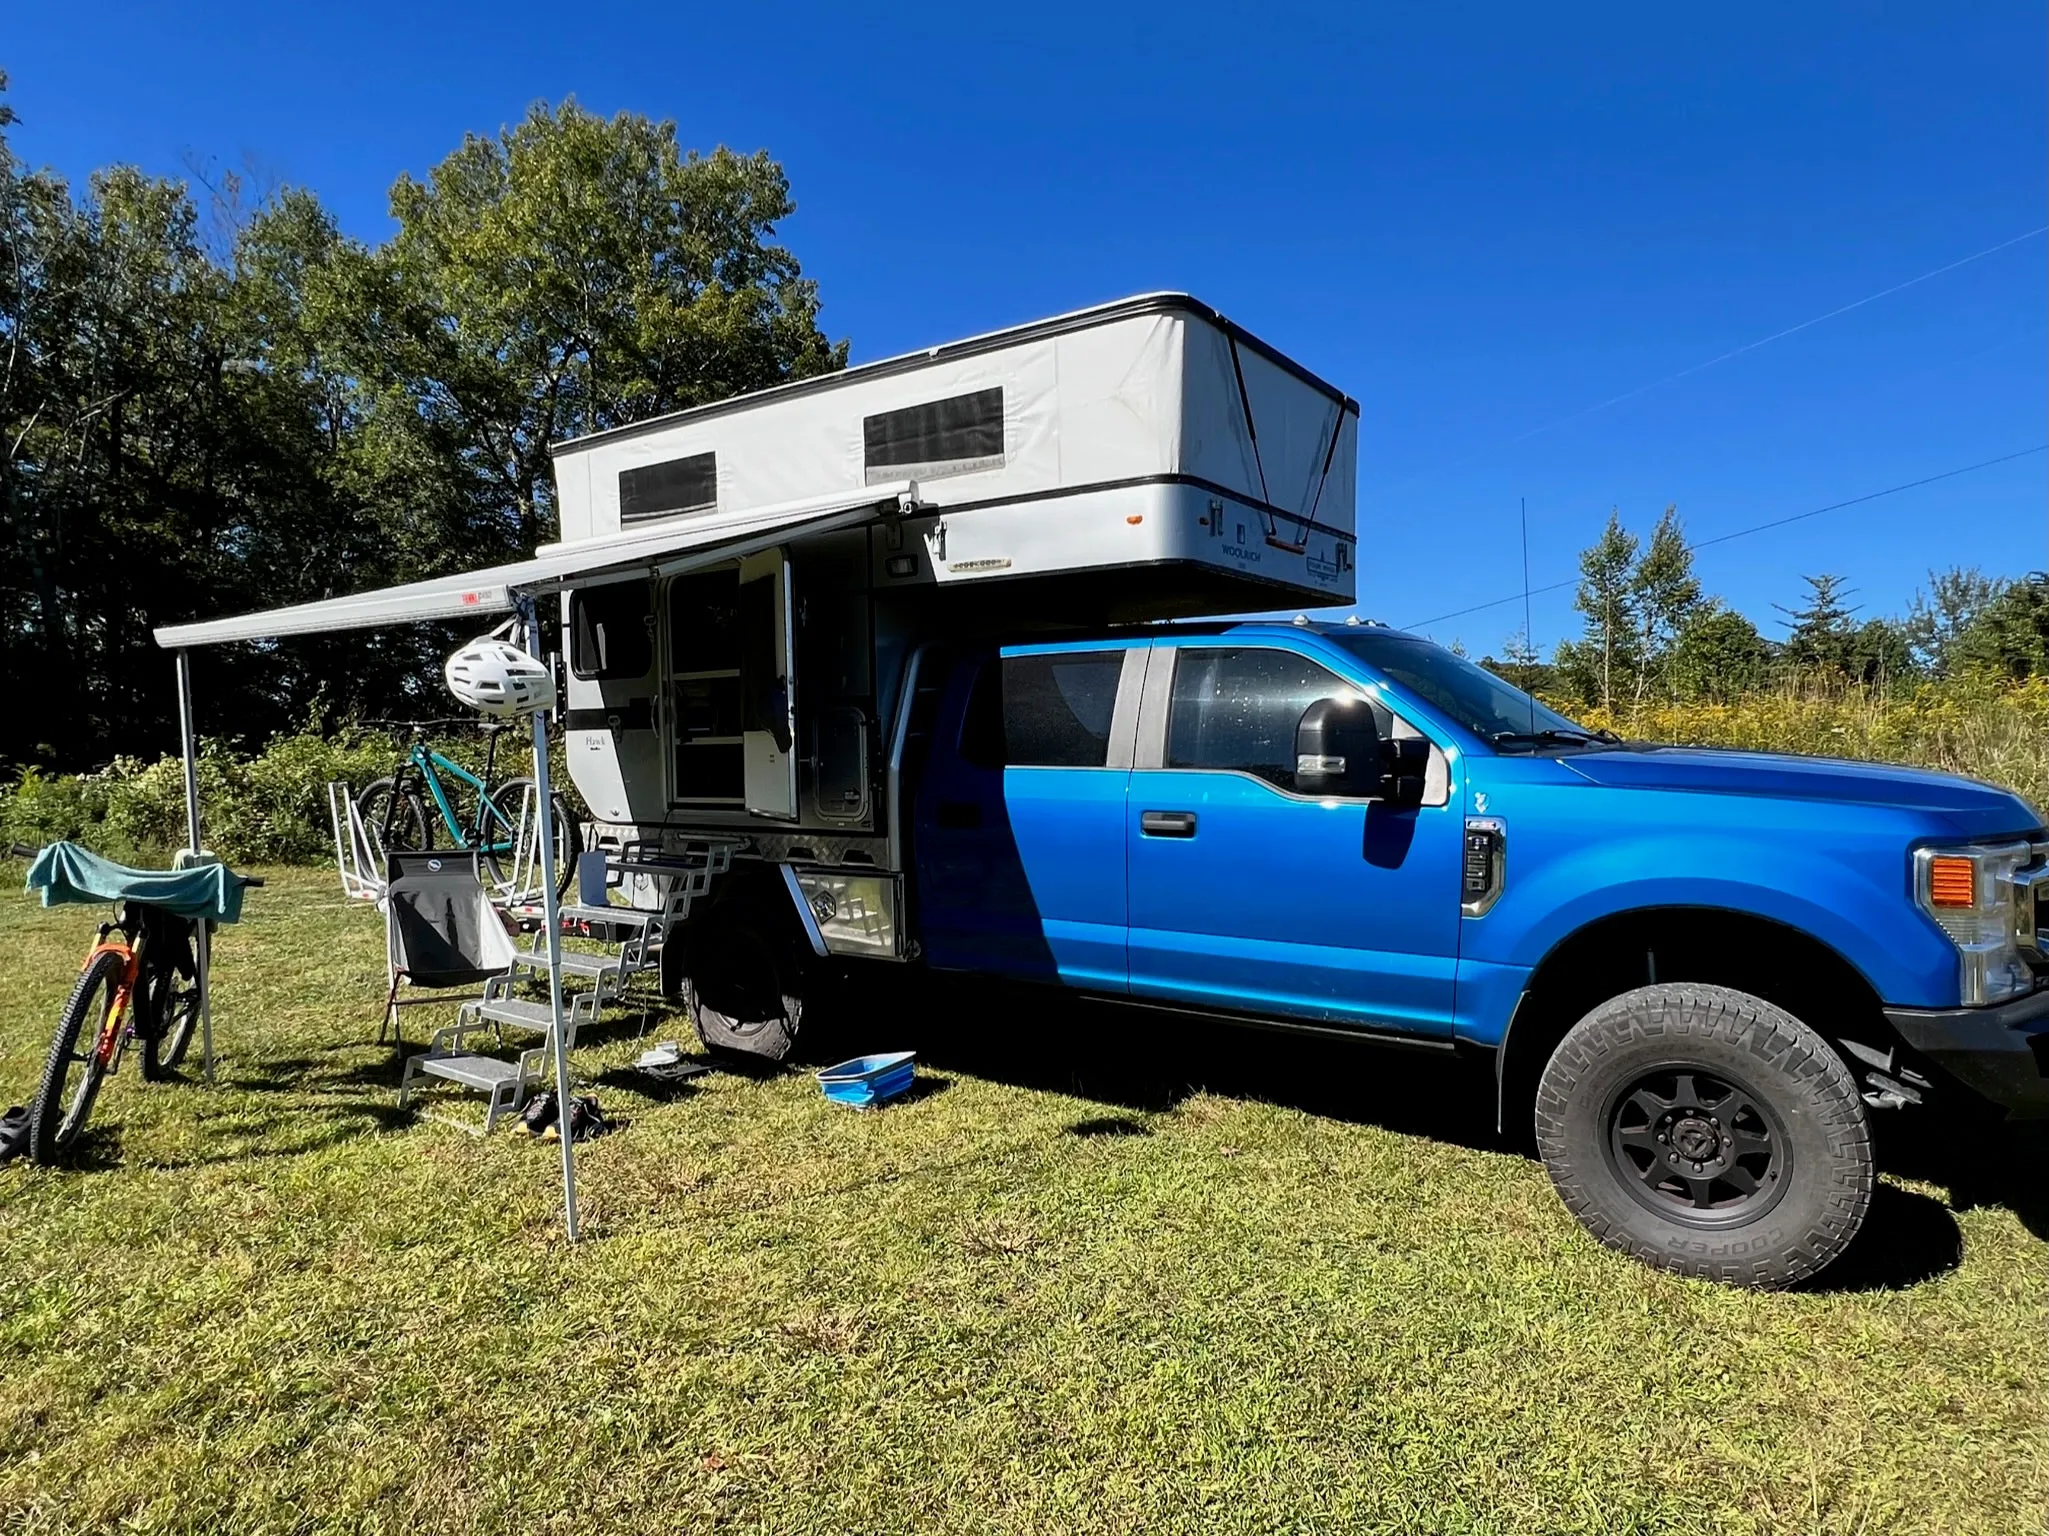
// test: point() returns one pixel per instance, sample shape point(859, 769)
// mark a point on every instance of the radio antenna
point(1529, 640)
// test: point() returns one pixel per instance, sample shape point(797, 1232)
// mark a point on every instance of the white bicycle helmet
point(499, 679)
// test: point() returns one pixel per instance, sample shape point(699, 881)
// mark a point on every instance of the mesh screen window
point(669, 490)
point(946, 437)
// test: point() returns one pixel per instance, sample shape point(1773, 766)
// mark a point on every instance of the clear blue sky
point(1478, 220)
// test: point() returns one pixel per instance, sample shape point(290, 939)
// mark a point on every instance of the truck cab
point(1697, 971)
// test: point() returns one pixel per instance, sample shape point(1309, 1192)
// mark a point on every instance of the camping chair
point(440, 929)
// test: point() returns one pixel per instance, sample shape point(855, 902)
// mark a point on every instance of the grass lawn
point(1110, 1271)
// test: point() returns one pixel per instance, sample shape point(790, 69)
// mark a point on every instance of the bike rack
point(361, 879)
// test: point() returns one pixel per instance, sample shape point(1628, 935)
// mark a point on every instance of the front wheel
point(394, 821)
point(75, 1065)
point(1707, 1132)
point(508, 834)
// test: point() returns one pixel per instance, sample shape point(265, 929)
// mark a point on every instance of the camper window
point(945, 437)
point(670, 489)
point(609, 635)
point(1043, 711)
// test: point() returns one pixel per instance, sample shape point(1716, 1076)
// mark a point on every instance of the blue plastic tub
point(867, 1081)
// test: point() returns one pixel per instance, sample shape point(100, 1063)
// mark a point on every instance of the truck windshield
point(1490, 707)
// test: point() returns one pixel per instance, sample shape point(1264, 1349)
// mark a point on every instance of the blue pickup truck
point(1697, 971)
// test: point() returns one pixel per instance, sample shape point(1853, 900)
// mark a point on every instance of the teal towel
point(66, 872)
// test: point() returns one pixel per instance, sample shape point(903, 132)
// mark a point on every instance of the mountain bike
point(396, 816)
point(140, 982)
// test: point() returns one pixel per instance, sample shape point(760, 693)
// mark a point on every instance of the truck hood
point(1972, 809)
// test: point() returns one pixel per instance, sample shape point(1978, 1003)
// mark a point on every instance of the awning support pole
point(551, 915)
point(188, 742)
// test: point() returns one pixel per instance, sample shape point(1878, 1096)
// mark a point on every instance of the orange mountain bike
point(139, 982)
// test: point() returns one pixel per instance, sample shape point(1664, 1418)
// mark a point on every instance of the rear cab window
point(1043, 710)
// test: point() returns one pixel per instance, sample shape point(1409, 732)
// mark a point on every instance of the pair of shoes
point(586, 1119)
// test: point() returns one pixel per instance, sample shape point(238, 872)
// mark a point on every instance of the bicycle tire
point(171, 997)
point(53, 1124)
point(507, 798)
point(394, 820)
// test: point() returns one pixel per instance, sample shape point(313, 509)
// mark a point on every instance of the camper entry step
point(480, 1072)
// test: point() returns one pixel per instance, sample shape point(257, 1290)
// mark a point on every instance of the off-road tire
point(743, 985)
point(57, 1116)
point(1796, 1088)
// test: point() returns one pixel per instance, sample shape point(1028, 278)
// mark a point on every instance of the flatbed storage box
point(1145, 432)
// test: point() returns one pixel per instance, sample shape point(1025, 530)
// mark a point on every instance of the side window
point(1238, 709)
point(668, 490)
point(1043, 711)
point(608, 631)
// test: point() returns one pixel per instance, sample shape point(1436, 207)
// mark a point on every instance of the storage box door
point(768, 686)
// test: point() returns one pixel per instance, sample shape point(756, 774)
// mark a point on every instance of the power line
point(1750, 346)
point(1741, 533)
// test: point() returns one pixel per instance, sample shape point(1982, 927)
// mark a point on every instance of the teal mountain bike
point(397, 818)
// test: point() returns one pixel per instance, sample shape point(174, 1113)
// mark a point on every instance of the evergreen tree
point(1609, 651)
point(1667, 598)
point(1822, 635)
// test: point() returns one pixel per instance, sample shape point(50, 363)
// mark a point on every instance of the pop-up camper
point(1146, 459)
point(753, 593)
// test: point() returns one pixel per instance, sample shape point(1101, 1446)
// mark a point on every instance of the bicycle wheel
point(394, 820)
point(170, 997)
point(512, 799)
point(65, 1098)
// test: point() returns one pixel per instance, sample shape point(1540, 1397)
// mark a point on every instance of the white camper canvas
point(1146, 431)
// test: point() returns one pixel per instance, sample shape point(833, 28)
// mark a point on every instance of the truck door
point(1246, 896)
point(768, 686)
point(1018, 828)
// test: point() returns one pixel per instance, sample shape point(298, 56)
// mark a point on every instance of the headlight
point(1984, 898)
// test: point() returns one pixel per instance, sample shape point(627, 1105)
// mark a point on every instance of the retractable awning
point(667, 550)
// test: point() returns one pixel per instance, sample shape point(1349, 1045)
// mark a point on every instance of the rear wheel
point(394, 820)
point(74, 1067)
point(171, 1000)
point(1708, 1132)
point(743, 986)
point(515, 800)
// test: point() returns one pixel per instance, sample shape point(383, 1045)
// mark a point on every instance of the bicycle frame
point(493, 831)
point(114, 1028)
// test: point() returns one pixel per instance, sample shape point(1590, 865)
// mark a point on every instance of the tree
point(1610, 649)
point(1718, 655)
point(1822, 635)
point(1880, 652)
point(2009, 637)
point(569, 275)
point(1937, 623)
point(1666, 596)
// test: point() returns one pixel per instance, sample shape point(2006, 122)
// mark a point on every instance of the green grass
point(1210, 1282)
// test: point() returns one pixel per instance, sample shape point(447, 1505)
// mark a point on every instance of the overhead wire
point(1741, 533)
point(1734, 352)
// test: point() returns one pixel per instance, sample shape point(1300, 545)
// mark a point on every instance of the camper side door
point(768, 686)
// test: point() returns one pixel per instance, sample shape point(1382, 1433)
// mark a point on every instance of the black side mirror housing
point(1339, 751)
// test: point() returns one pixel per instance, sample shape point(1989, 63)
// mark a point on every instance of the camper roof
point(1079, 319)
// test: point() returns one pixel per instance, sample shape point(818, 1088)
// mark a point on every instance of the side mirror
point(1339, 750)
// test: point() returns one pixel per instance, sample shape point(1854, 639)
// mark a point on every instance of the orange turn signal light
point(1952, 882)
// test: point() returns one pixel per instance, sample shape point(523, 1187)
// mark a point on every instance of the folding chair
point(440, 929)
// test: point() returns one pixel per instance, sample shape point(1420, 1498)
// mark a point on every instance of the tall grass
point(271, 807)
point(1980, 727)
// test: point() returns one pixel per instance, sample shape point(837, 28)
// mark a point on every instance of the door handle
point(1166, 823)
point(959, 815)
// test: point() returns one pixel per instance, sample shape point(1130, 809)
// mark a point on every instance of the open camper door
point(768, 685)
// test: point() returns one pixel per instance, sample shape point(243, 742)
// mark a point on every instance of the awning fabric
point(677, 546)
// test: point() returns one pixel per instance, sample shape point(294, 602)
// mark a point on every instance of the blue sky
point(1479, 220)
